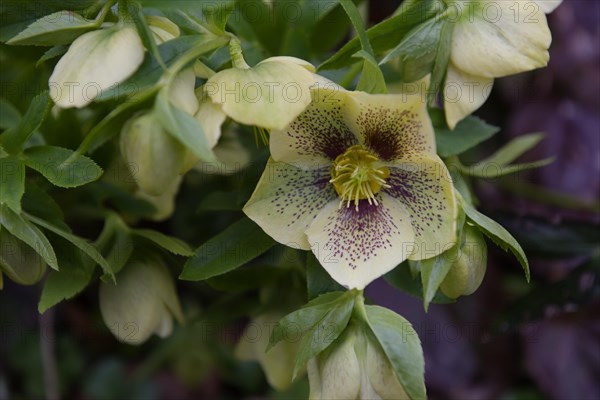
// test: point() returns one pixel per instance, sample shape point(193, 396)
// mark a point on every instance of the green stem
point(104, 12)
point(237, 57)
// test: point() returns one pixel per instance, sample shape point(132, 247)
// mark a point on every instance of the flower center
point(356, 175)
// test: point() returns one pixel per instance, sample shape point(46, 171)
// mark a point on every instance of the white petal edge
point(356, 248)
point(463, 94)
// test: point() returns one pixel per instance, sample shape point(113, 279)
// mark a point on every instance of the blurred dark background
point(509, 340)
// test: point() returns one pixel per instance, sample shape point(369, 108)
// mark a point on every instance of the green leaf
point(39, 203)
point(468, 133)
point(150, 72)
point(134, 9)
point(59, 28)
point(441, 61)
point(402, 346)
point(320, 321)
point(111, 124)
point(417, 50)
point(81, 244)
point(74, 275)
point(12, 182)
point(388, 33)
point(217, 14)
point(62, 167)
point(497, 164)
point(371, 78)
point(13, 138)
point(433, 272)
point(9, 115)
point(248, 278)
point(241, 242)
point(169, 243)
point(402, 278)
point(183, 127)
point(51, 53)
point(500, 236)
point(318, 281)
point(28, 233)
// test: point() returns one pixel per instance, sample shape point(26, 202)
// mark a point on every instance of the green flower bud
point(353, 368)
point(94, 62)
point(466, 274)
point(142, 302)
point(19, 261)
point(165, 203)
point(152, 154)
point(278, 362)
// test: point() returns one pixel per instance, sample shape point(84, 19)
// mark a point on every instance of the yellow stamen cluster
point(357, 174)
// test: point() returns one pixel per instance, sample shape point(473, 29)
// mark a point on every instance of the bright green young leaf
point(417, 50)
point(78, 242)
point(318, 281)
point(74, 275)
point(500, 236)
point(12, 182)
point(55, 29)
point(241, 242)
point(402, 347)
point(388, 33)
point(28, 233)
point(468, 133)
point(169, 243)
point(184, 128)
point(62, 167)
point(13, 138)
point(433, 272)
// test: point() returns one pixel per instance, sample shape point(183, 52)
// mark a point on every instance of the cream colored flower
point(269, 95)
point(493, 39)
point(356, 179)
point(163, 29)
point(278, 362)
point(94, 62)
point(355, 369)
point(142, 302)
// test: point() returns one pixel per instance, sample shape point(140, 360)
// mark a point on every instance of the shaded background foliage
point(509, 340)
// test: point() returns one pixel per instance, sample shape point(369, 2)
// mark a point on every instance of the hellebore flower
point(492, 39)
point(142, 302)
point(278, 362)
point(356, 179)
point(354, 369)
point(163, 29)
point(94, 62)
point(19, 261)
point(467, 272)
point(269, 95)
point(154, 156)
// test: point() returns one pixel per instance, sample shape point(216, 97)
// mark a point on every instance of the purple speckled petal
point(424, 186)
point(392, 126)
point(318, 135)
point(357, 247)
point(287, 199)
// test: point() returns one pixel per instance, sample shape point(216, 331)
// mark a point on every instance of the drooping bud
point(154, 156)
point(19, 261)
point(467, 272)
point(94, 62)
point(142, 302)
point(278, 362)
